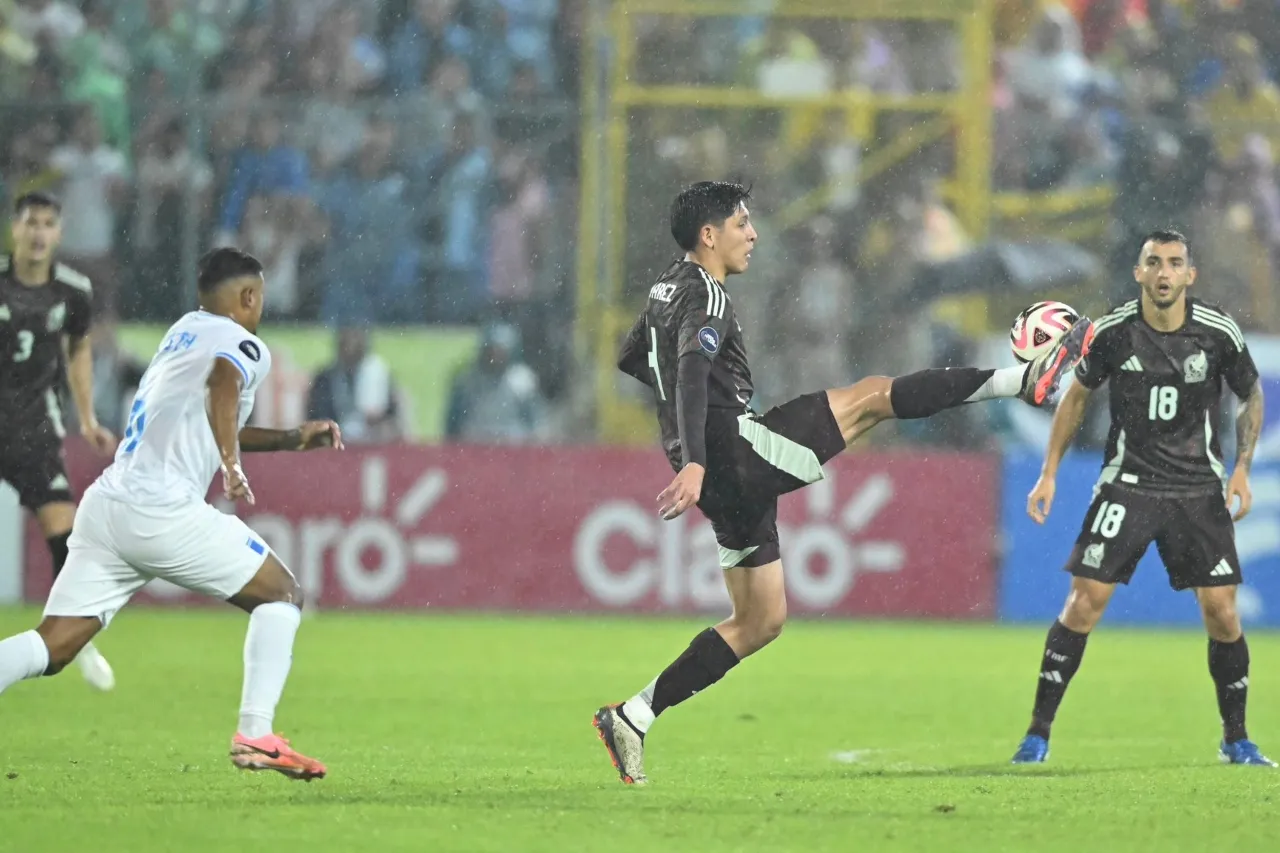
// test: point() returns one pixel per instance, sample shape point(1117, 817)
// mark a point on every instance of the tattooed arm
point(1248, 428)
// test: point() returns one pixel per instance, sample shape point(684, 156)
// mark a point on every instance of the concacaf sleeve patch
point(709, 339)
point(250, 349)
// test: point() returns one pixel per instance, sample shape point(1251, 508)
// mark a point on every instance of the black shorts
point(31, 461)
point(774, 453)
point(1194, 535)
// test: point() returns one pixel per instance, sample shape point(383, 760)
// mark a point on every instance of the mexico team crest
point(1196, 367)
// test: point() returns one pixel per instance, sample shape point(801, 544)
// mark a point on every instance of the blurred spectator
point(277, 238)
point(116, 375)
point(176, 44)
point(518, 234)
point(1244, 99)
point(1049, 68)
point(93, 186)
point(269, 166)
point(18, 54)
point(874, 65)
point(167, 171)
point(371, 264)
point(431, 116)
point(496, 400)
point(465, 173)
point(528, 36)
point(360, 63)
point(357, 391)
point(54, 22)
point(333, 124)
point(817, 317)
point(98, 69)
point(429, 35)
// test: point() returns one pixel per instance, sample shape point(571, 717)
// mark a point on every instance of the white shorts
point(116, 548)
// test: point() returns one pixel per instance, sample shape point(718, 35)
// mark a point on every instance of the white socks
point(22, 656)
point(639, 709)
point(1004, 382)
point(268, 654)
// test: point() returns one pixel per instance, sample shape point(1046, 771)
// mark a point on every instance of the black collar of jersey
point(677, 266)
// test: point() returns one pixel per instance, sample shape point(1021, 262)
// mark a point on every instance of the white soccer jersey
point(167, 454)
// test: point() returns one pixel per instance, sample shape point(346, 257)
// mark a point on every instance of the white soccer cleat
point(625, 744)
point(95, 668)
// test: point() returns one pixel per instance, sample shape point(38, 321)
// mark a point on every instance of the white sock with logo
point(268, 655)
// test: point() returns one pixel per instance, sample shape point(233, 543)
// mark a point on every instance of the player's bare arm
point(311, 435)
point(1066, 423)
point(79, 360)
point(1248, 428)
point(222, 403)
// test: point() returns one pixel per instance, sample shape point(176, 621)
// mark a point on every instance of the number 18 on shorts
point(1193, 534)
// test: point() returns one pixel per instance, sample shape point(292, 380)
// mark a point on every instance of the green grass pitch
point(473, 734)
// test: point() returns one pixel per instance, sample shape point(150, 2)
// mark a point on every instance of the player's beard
point(1163, 302)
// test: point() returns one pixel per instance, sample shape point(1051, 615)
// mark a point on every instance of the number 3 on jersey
point(137, 423)
point(25, 341)
point(1164, 403)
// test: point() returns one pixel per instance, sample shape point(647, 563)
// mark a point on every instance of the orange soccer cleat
point(273, 752)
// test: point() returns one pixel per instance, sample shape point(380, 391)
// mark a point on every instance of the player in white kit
point(146, 517)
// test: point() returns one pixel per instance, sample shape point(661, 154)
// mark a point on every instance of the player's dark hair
point(1164, 236)
point(35, 198)
point(224, 264)
point(706, 202)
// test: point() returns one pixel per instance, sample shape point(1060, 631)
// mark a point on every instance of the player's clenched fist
point(235, 485)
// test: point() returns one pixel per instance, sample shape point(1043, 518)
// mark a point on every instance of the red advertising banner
point(576, 529)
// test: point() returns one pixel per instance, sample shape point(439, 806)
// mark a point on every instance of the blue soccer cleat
point(1033, 750)
point(1243, 752)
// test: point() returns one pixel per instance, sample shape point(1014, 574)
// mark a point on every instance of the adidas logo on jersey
point(1222, 569)
point(1132, 364)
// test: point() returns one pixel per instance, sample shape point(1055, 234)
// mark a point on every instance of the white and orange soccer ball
point(1039, 328)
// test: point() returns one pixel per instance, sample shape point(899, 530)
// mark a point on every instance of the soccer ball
point(1039, 328)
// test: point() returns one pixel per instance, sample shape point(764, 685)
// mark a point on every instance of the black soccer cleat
point(625, 744)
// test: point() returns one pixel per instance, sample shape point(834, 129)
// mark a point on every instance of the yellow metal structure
point(610, 92)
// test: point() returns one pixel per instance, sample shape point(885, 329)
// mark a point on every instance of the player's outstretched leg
point(273, 600)
point(1063, 652)
point(55, 520)
point(1229, 668)
point(45, 650)
point(759, 611)
point(859, 407)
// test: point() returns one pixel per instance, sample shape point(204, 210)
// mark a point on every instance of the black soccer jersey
point(32, 323)
point(1166, 393)
point(688, 311)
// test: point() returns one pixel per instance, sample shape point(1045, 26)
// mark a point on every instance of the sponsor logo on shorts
point(709, 338)
point(1093, 555)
